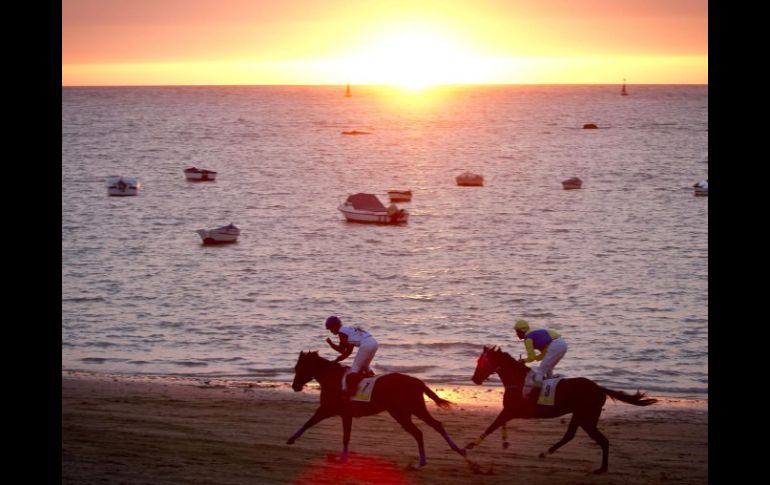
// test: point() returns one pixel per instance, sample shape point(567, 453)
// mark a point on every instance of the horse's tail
point(637, 399)
point(442, 403)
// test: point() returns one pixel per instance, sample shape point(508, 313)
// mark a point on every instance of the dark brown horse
point(398, 394)
point(579, 396)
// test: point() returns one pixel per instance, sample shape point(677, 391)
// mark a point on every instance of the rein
point(497, 368)
point(323, 369)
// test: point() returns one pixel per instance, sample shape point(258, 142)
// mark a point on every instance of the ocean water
point(619, 268)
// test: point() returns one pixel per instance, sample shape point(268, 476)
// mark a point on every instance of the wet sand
point(145, 430)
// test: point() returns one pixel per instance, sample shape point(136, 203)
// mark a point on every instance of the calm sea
point(620, 268)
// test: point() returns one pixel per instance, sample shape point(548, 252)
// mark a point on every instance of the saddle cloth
point(364, 389)
point(548, 392)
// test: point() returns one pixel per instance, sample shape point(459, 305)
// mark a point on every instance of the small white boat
point(400, 195)
point(468, 179)
point(220, 235)
point(702, 188)
point(117, 185)
point(572, 183)
point(367, 208)
point(199, 174)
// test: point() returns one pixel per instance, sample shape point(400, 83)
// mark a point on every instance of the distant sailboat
point(347, 91)
point(623, 90)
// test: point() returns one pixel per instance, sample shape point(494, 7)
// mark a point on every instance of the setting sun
point(414, 58)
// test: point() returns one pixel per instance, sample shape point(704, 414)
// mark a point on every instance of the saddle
point(544, 393)
point(361, 382)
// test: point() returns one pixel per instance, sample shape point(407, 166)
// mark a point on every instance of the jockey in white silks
point(351, 337)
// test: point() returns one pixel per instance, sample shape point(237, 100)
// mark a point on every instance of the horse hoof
point(462, 452)
point(600, 471)
point(290, 441)
point(541, 455)
point(331, 458)
point(506, 445)
point(475, 467)
point(470, 446)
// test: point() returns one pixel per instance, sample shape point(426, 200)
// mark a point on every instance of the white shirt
point(355, 336)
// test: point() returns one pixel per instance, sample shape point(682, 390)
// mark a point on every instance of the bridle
point(485, 361)
point(488, 364)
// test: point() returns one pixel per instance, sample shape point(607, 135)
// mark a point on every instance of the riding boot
point(529, 391)
point(352, 381)
point(532, 385)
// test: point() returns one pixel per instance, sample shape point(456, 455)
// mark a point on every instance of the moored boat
point(194, 174)
point(468, 179)
point(220, 235)
point(701, 188)
point(367, 208)
point(121, 186)
point(572, 183)
point(400, 195)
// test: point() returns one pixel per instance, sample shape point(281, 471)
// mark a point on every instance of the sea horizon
point(385, 85)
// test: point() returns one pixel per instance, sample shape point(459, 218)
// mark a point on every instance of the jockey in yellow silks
point(552, 347)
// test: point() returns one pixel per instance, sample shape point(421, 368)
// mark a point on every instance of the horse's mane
point(316, 356)
point(504, 354)
point(507, 357)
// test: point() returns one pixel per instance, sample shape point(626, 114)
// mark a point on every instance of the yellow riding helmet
point(521, 325)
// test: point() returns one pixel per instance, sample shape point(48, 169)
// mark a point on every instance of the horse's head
point(493, 359)
point(486, 364)
point(305, 370)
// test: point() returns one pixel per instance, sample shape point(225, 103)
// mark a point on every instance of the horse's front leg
point(320, 414)
point(347, 425)
point(502, 418)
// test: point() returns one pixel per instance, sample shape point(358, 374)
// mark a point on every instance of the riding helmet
point(333, 321)
point(521, 325)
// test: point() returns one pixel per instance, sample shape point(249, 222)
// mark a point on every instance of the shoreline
point(163, 430)
point(466, 394)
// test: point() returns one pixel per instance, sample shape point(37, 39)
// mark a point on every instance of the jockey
point(552, 348)
point(351, 337)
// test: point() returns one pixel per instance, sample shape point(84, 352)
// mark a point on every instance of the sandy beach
point(132, 430)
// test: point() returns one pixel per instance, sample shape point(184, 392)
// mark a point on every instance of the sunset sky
point(404, 43)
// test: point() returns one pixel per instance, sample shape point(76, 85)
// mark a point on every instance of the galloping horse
point(398, 394)
point(579, 396)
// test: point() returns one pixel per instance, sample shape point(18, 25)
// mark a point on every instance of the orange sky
point(151, 42)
